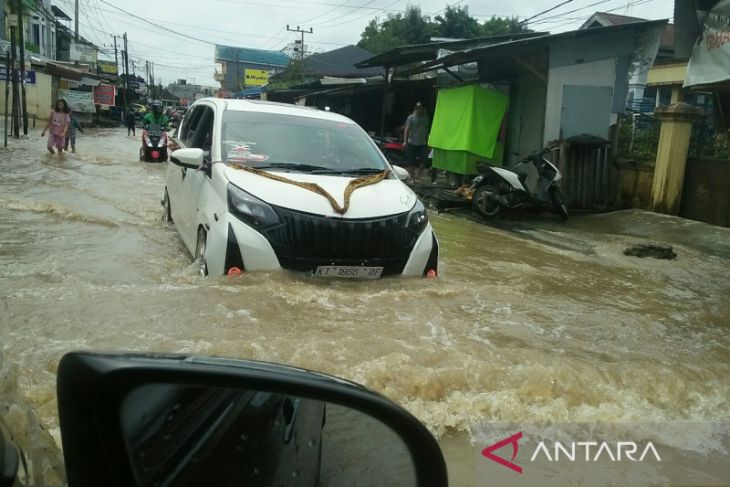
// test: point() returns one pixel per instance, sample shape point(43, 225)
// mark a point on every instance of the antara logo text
point(575, 451)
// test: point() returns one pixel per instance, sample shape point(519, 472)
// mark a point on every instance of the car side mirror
point(178, 420)
point(401, 173)
point(191, 158)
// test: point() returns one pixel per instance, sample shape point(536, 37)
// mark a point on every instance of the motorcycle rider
point(155, 116)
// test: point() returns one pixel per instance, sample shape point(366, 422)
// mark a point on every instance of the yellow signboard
point(255, 77)
point(107, 67)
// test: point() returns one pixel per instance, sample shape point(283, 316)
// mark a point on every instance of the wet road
point(531, 320)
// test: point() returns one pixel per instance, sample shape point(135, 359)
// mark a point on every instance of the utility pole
point(21, 43)
point(16, 126)
point(301, 31)
point(152, 81)
point(238, 74)
point(123, 89)
point(76, 21)
point(126, 69)
point(116, 58)
point(7, 92)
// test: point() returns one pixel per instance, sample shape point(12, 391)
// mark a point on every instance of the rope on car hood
point(316, 188)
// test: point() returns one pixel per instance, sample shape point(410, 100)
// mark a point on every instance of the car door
point(176, 175)
point(193, 181)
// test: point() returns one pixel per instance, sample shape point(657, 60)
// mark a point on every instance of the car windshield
point(297, 143)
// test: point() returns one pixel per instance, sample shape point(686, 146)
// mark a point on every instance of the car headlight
point(250, 209)
point(417, 218)
point(147, 141)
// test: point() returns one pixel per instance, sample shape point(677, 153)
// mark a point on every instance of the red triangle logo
point(514, 441)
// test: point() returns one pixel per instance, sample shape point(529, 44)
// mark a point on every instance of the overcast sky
point(262, 24)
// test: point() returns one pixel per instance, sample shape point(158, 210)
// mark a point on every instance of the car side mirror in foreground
point(191, 158)
point(401, 173)
point(148, 420)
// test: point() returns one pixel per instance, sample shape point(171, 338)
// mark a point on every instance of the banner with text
point(105, 94)
point(710, 60)
point(78, 101)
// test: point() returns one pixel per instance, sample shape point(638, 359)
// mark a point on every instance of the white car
point(234, 192)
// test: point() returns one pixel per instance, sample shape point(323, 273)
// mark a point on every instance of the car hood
point(388, 197)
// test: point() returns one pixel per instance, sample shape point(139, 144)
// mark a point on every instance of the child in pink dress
point(59, 121)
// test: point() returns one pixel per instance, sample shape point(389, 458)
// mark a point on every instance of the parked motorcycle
point(392, 149)
point(532, 182)
point(154, 144)
point(164, 419)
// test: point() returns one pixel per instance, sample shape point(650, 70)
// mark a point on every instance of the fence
point(638, 137)
point(707, 142)
point(589, 179)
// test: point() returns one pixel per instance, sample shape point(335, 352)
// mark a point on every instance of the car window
point(203, 132)
point(189, 124)
point(271, 139)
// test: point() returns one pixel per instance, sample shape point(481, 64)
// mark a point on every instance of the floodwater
point(530, 320)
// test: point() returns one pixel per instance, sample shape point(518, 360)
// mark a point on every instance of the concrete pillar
point(671, 157)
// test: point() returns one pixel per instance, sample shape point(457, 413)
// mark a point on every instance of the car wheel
point(200, 253)
point(141, 154)
point(166, 211)
point(483, 203)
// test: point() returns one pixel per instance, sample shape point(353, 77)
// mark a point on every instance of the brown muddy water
point(530, 320)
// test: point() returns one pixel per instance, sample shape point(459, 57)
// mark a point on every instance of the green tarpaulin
point(468, 118)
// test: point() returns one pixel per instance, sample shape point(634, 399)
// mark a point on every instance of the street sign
point(255, 77)
point(104, 94)
point(107, 67)
point(29, 76)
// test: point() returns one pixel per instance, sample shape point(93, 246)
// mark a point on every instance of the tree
point(498, 25)
point(398, 29)
point(457, 23)
point(412, 27)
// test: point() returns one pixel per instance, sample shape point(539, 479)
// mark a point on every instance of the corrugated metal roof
point(340, 63)
point(404, 55)
point(509, 49)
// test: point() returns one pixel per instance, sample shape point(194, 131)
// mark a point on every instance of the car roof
point(273, 107)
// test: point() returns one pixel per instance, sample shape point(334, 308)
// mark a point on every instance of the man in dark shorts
point(415, 141)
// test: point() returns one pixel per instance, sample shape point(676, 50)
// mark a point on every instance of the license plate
point(348, 271)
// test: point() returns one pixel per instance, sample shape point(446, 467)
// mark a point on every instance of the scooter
point(154, 144)
point(391, 148)
point(532, 182)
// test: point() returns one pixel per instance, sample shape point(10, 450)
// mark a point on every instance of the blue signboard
point(29, 76)
point(251, 56)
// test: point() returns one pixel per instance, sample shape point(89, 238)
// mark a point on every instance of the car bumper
point(232, 243)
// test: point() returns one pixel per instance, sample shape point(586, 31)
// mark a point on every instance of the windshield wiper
point(291, 166)
point(359, 170)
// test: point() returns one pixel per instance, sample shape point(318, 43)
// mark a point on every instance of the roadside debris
point(651, 249)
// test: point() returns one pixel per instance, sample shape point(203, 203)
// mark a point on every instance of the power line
point(207, 29)
point(546, 11)
point(158, 25)
point(338, 22)
point(307, 21)
point(546, 19)
point(370, 14)
point(299, 5)
point(600, 2)
point(345, 15)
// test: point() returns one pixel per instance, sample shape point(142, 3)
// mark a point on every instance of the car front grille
point(304, 241)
